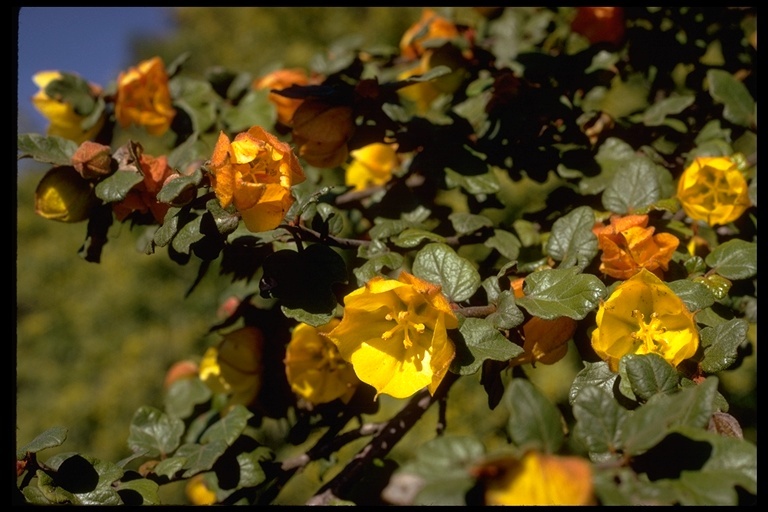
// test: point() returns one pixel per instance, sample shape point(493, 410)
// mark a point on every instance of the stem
point(383, 442)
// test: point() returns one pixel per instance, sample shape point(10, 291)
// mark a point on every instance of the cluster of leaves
point(504, 177)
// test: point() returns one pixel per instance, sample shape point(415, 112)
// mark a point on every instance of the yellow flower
point(537, 479)
point(643, 316)
point(255, 172)
point(712, 189)
point(198, 492)
point(394, 332)
point(314, 367)
point(371, 165)
point(64, 195)
point(143, 97)
point(65, 121)
point(234, 367)
point(628, 245)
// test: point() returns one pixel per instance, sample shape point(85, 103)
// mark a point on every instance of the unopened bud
point(64, 195)
point(93, 160)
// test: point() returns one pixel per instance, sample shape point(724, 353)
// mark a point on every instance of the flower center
point(329, 361)
point(650, 334)
point(408, 322)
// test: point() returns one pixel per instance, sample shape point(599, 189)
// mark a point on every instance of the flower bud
point(64, 195)
point(93, 160)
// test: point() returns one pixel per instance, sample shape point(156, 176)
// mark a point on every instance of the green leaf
point(412, 237)
point(51, 150)
point(634, 186)
point(506, 243)
point(254, 109)
point(649, 424)
point(229, 427)
point(592, 375)
point(154, 431)
point(115, 187)
point(183, 395)
point(478, 185)
point(483, 341)
point(171, 221)
point(51, 438)
point(656, 114)
point(571, 241)
point(650, 374)
point(146, 490)
point(599, 419)
point(734, 259)
point(197, 98)
point(251, 472)
point(534, 422)
point(721, 343)
point(507, 314)
point(199, 458)
point(188, 235)
point(694, 294)
point(373, 266)
point(439, 264)
point(170, 466)
point(740, 107)
point(173, 189)
point(465, 223)
point(552, 293)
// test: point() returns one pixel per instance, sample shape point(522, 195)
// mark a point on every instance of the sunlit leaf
point(650, 374)
point(734, 259)
point(154, 431)
point(49, 149)
point(740, 107)
point(721, 344)
point(571, 241)
point(439, 264)
point(51, 438)
point(561, 292)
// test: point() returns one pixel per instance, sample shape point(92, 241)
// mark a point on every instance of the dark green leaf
point(197, 98)
point(650, 374)
point(592, 375)
point(483, 341)
point(439, 264)
point(170, 466)
point(475, 185)
point(740, 107)
point(50, 150)
point(199, 458)
point(115, 187)
point(507, 314)
point(254, 109)
point(251, 472)
point(229, 427)
point(634, 186)
point(51, 438)
point(172, 191)
point(183, 395)
point(187, 235)
point(656, 114)
point(465, 223)
point(412, 237)
point(571, 241)
point(599, 419)
point(506, 243)
point(146, 490)
point(721, 344)
point(734, 259)
point(154, 431)
point(694, 294)
point(534, 421)
point(552, 293)
point(649, 424)
point(373, 266)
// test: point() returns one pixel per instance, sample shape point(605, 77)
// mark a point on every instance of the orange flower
point(279, 80)
point(142, 197)
point(545, 340)
point(599, 24)
point(321, 132)
point(143, 97)
point(430, 26)
point(255, 172)
point(628, 245)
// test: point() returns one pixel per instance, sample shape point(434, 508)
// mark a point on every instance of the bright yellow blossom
point(198, 492)
point(628, 245)
point(371, 165)
point(537, 479)
point(714, 190)
point(314, 367)
point(234, 366)
point(394, 332)
point(143, 97)
point(255, 172)
point(644, 316)
point(65, 121)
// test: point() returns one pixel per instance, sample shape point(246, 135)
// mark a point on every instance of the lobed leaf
point(552, 293)
point(534, 422)
point(439, 264)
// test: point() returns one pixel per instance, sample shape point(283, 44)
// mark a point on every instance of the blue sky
point(90, 41)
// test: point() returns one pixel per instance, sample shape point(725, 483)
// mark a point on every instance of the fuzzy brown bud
point(93, 160)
